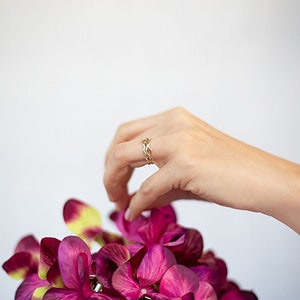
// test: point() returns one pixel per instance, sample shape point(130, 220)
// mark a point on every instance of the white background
point(72, 71)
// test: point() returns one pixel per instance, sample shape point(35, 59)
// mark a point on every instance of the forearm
point(283, 202)
point(245, 177)
point(272, 186)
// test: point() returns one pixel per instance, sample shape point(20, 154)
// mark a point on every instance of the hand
point(197, 161)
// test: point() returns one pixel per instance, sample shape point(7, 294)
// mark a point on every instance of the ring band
point(147, 150)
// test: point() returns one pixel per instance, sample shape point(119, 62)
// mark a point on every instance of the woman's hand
point(197, 161)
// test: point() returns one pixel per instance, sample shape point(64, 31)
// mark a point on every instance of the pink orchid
point(85, 221)
point(24, 265)
point(148, 229)
point(179, 282)
point(160, 227)
point(154, 259)
point(231, 291)
point(74, 260)
point(212, 270)
point(107, 260)
point(25, 260)
point(136, 281)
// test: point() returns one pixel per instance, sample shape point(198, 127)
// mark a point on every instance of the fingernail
point(127, 215)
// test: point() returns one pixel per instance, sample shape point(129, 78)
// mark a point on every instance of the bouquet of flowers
point(153, 257)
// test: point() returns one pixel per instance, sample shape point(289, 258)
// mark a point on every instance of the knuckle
point(122, 130)
point(107, 181)
point(178, 110)
point(118, 153)
point(147, 188)
point(110, 181)
point(181, 116)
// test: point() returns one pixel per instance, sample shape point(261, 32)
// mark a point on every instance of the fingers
point(151, 126)
point(123, 159)
point(151, 193)
point(130, 131)
point(126, 153)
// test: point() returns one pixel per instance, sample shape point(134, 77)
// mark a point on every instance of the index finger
point(123, 159)
point(131, 130)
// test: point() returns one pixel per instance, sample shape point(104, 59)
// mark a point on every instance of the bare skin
point(197, 161)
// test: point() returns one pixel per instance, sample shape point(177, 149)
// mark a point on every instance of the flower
point(153, 257)
point(24, 265)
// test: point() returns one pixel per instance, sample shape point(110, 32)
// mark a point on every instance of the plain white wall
point(72, 71)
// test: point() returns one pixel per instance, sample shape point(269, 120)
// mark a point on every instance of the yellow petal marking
point(88, 218)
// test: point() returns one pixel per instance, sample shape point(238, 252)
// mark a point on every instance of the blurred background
point(72, 71)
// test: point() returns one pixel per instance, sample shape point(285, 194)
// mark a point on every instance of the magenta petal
point(129, 229)
point(62, 294)
point(49, 250)
point(205, 292)
point(172, 235)
point(124, 282)
point(134, 248)
point(169, 213)
point(189, 296)
point(20, 265)
point(215, 275)
point(28, 286)
point(213, 270)
point(54, 276)
point(28, 244)
point(178, 281)
point(237, 294)
point(190, 249)
point(154, 229)
point(25, 259)
point(118, 253)
point(72, 250)
point(48, 255)
point(157, 296)
point(108, 258)
point(148, 272)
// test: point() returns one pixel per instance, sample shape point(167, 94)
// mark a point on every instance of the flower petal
point(169, 213)
point(118, 253)
point(62, 294)
point(124, 283)
point(148, 272)
point(108, 258)
point(28, 244)
point(154, 229)
point(231, 291)
point(40, 292)
point(28, 286)
point(158, 296)
point(205, 292)
point(129, 229)
point(191, 248)
point(238, 295)
point(210, 274)
point(20, 265)
point(72, 253)
point(54, 276)
point(25, 260)
point(48, 255)
point(82, 219)
point(173, 234)
point(178, 281)
point(211, 269)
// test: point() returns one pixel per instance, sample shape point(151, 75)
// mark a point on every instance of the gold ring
point(147, 150)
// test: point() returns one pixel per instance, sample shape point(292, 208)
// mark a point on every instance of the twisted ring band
point(147, 150)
